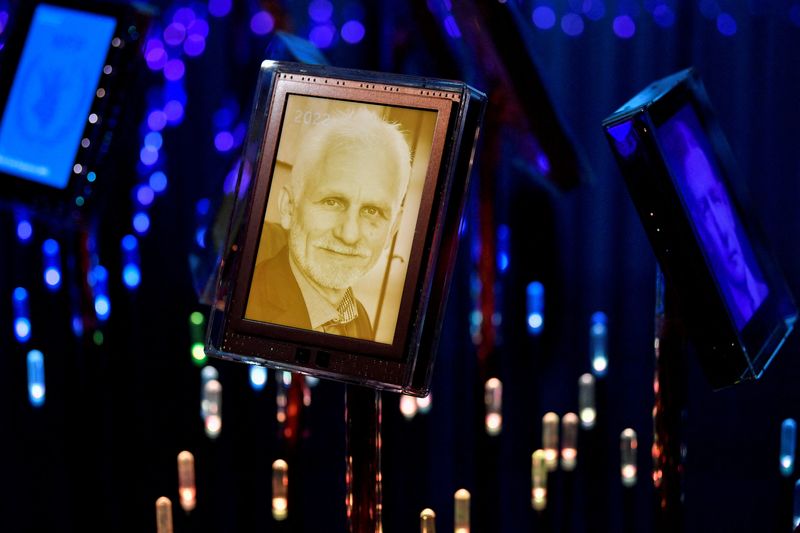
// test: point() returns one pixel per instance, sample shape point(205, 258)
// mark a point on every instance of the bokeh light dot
point(624, 27)
point(141, 222)
point(174, 34)
point(185, 16)
point(663, 15)
point(223, 141)
point(174, 69)
point(173, 111)
point(726, 24)
point(129, 243)
point(219, 8)
point(24, 230)
point(320, 10)
point(131, 275)
point(262, 23)
point(154, 139)
point(145, 195)
point(322, 36)
point(50, 247)
point(352, 31)
point(544, 17)
point(52, 277)
point(198, 27)
point(194, 45)
point(572, 24)
point(148, 155)
point(158, 181)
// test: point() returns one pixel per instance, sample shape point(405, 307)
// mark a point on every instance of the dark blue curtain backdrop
point(120, 407)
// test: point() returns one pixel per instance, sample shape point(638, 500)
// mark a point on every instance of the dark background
point(104, 445)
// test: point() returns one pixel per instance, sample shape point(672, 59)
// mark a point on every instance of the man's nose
point(348, 230)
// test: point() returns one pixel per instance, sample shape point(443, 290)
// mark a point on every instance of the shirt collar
point(320, 310)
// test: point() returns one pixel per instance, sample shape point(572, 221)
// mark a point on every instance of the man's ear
point(395, 227)
point(286, 207)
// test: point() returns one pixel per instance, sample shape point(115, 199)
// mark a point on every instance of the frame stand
point(363, 456)
point(670, 387)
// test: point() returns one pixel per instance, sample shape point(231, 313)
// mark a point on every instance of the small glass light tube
point(258, 377)
point(99, 282)
point(538, 481)
point(22, 321)
point(569, 441)
point(586, 401)
point(280, 490)
point(51, 258)
point(598, 343)
point(461, 521)
point(788, 443)
point(187, 489)
point(493, 399)
point(427, 521)
point(207, 374)
point(424, 404)
point(408, 406)
point(212, 401)
point(196, 332)
point(36, 378)
point(163, 515)
point(503, 248)
point(550, 440)
point(284, 380)
point(535, 306)
point(131, 271)
point(796, 510)
point(627, 448)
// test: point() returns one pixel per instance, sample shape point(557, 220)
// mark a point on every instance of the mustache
point(342, 249)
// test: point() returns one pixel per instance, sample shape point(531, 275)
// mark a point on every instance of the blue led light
point(594, 9)
point(52, 269)
point(173, 111)
point(200, 237)
point(322, 35)
point(24, 230)
point(131, 276)
point(203, 206)
point(22, 329)
point(262, 23)
point(219, 8)
point(174, 34)
point(20, 295)
point(503, 246)
point(194, 45)
point(624, 27)
point(726, 24)
point(663, 15)
point(223, 141)
point(102, 306)
point(156, 58)
point(184, 15)
point(544, 17)
point(148, 155)
point(258, 377)
point(198, 28)
point(598, 342)
point(174, 69)
point(320, 10)
point(77, 326)
point(36, 389)
point(572, 24)
point(352, 31)
point(141, 223)
point(788, 444)
point(158, 181)
point(535, 307)
point(154, 139)
point(145, 195)
point(129, 243)
point(156, 120)
point(90, 177)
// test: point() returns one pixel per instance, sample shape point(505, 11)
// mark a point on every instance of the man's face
point(344, 217)
point(714, 215)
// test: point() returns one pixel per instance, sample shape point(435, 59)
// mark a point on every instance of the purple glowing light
point(148, 155)
point(158, 181)
point(154, 139)
point(594, 9)
point(543, 163)
point(572, 24)
point(262, 23)
point(173, 110)
point(174, 34)
point(726, 24)
point(156, 58)
point(322, 36)
point(223, 141)
point(145, 195)
point(185, 16)
point(320, 10)
point(219, 8)
point(624, 27)
point(352, 31)
point(194, 45)
point(141, 223)
point(451, 27)
point(156, 120)
point(198, 27)
point(544, 17)
point(174, 69)
point(663, 16)
point(3, 21)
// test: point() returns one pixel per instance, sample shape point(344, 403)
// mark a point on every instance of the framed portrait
point(66, 65)
point(343, 234)
point(692, 202)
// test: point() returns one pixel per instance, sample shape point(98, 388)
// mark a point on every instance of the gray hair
point(361, 130)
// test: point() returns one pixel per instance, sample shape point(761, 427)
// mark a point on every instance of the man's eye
point(371, 212)
point(331, 202)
